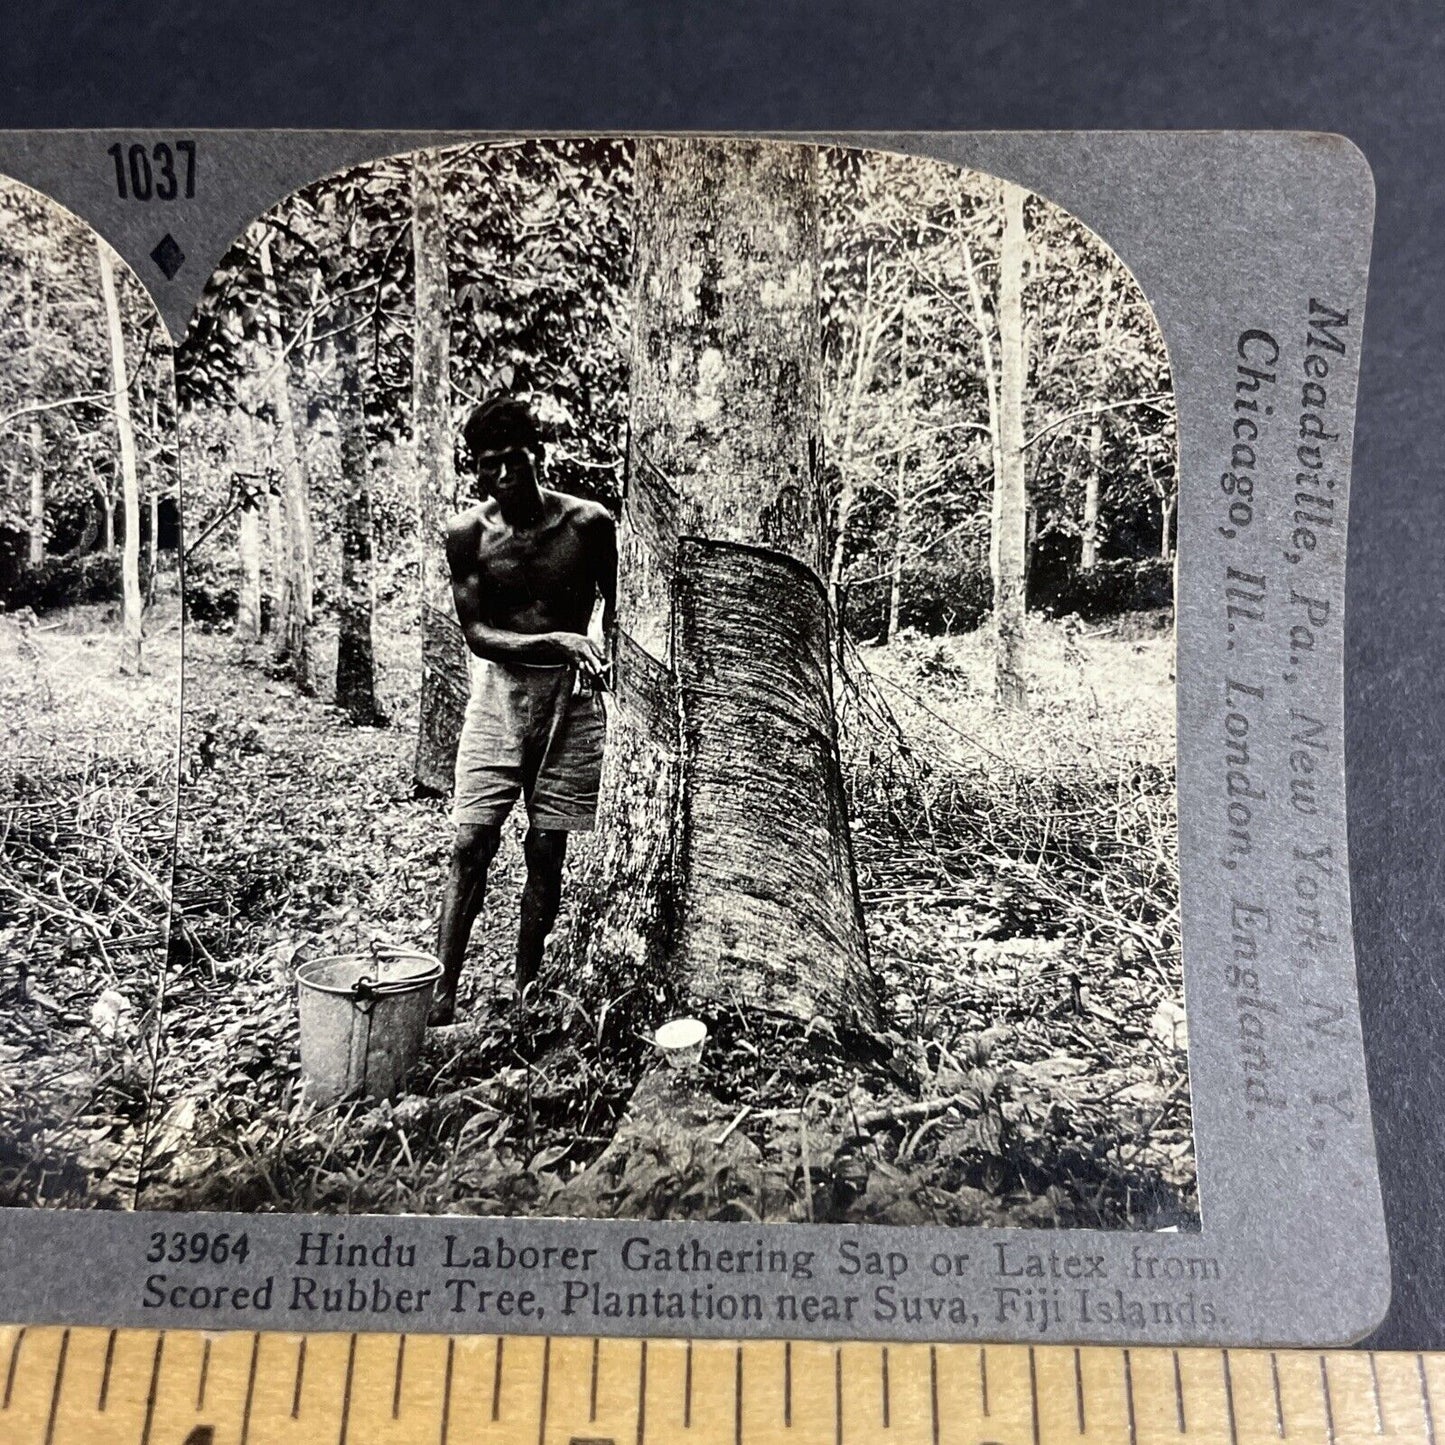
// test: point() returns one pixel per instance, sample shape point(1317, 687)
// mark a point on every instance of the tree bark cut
point(130, 610)
point(444, 657)
point(726, 870)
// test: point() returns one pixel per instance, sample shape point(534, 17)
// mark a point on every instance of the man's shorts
point(530, 732)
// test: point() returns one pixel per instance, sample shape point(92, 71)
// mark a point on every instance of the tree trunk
point(1167, 504)
point(295, 603)
point(1089, 558)
point(445, 663)
point(153, 555)
point(130, 608)
point(1010, 491)
point(727, 873)
point(108, 508)
point(153, 505)
point(355, 652)
point(870, 330)
point(900, 496)
point(37, 497)
point(248, 608)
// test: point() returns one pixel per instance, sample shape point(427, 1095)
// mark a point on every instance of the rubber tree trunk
point(295, 603)
point(1089, 556)
point(37, 497)
point(444, 657)
point(1010, 513)
point(130, 604)
point(356, 610)
point(727, 872)
point(248, 607)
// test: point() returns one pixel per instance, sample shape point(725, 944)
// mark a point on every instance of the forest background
point(1010, 786)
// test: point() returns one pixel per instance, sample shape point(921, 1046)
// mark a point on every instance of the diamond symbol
point(168, 256)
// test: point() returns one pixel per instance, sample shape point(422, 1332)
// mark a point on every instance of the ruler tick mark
point(1129, 1398)
point(788, 1384)
point(686, 1392)
point(1078, 1390)
point(145, 1434)
point(300, 1376)
point(104, 1396)
point(1426, 1408)
point(887, 1408)
point(1329, 1404)
point(447, 1393)
point(1278, 1397)
point(10, 1373)
point(1033, 1397)
point(55, 1393)
point(346, 1392)
point(205, 1371)
point(738, 1398)
point(838, 1397)
point(250, 1390)
point(396, 1379)
point(592, 1397)
point(982, 1378)
point(1375, 1391)
point(1178, 1394)
point(933, 1388)
point(1229, 1400)
point(497, 1382)
point(642, 1395)
point(546, 1385)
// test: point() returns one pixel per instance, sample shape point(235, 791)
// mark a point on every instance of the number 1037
point(159, 172)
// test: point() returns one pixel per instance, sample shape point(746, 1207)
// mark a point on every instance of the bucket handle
point(367, 990)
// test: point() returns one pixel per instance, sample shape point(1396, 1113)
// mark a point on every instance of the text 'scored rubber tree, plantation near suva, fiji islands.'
point(726, 876)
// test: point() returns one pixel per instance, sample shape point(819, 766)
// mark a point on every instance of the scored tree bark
point(444, 660)
point(727, 872)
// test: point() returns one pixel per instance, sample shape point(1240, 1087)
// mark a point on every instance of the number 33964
point(200, 1247)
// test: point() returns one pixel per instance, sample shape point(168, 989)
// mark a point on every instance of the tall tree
point(727, 874)
point(247, 478)
point(296, 603)
point(1010, 511)
point(444, 659)
point(356, 607)
point(130, 612)
point(1089, 552)
point(36, 458)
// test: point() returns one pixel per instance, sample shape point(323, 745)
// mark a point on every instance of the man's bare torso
point(540, 578)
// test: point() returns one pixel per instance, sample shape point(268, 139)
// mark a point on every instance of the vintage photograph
point(679, 702)
point(90, 677)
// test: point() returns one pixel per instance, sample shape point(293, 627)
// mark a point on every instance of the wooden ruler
point(134, 1387)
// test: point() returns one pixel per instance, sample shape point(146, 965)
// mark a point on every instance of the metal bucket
point(363, 1018)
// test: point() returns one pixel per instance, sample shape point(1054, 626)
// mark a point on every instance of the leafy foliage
point(57, 424)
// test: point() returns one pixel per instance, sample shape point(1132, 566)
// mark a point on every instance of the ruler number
point(201, 1435)
point(159, 172)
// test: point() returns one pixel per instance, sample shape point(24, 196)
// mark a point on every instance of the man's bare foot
point(443, 1011)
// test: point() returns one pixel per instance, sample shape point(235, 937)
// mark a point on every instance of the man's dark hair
point(501, 422)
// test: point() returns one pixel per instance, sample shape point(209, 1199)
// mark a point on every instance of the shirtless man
point(527, 566)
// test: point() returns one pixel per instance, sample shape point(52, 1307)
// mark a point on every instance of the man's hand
point(582, 653)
